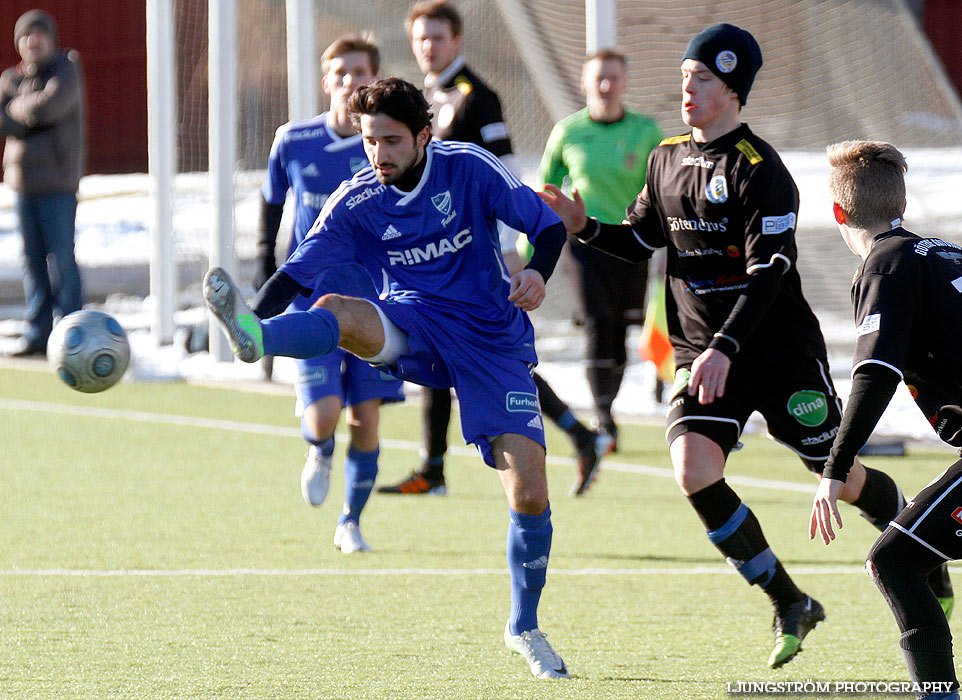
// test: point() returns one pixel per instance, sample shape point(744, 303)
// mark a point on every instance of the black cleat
point(416, 483)
point(589, 462)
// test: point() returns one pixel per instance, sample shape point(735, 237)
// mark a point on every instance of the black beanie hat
point(731, 53)
point(34, 18)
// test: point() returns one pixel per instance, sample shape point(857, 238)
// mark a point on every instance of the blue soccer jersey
point(438, 243)
point(309, 158)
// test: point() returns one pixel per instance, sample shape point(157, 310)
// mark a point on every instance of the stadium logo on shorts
point(808, 407)
point(717, 191)
point(522, 402)
point(726, 61)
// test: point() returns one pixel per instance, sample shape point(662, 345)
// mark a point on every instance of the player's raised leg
point(699, 465)
point(520, 464)
point(334, 320)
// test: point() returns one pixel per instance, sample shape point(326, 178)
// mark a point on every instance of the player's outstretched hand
point(527, 289)
point(571, 211)
point(709, 372)
point(824, 509)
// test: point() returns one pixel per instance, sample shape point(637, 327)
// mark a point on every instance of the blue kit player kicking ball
point(426, 215)
point(313, 157)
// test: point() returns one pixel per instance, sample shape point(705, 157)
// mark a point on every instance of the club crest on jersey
point(717, 191)
point(726, 61)
point(442, 202)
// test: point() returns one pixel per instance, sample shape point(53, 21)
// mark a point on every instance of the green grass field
point(154, 544)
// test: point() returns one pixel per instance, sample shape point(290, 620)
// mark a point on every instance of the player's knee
point(883, 561)
point(691, 478)
point(332, 302)
point(530, 498)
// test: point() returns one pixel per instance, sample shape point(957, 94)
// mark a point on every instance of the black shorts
point(934, 517)
point(797, 400)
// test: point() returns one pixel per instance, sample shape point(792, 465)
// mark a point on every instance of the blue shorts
point(343, 375)
point(496, 394)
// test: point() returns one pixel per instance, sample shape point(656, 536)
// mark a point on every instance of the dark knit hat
point(34, 18)
point(731, 53)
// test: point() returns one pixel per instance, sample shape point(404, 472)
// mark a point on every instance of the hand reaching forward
point(571, 211)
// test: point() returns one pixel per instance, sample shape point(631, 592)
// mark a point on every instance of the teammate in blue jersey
point(312, 158)
point(426, 213)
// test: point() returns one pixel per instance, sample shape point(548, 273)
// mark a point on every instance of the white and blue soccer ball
point(88, 350)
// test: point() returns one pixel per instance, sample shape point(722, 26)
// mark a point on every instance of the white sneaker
point(347, 538)
point(543, 660)
point(242, 327)
point(316, 476)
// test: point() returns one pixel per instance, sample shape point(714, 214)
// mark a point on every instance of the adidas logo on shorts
point(536, 422)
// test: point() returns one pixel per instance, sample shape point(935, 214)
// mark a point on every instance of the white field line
point(260, 429)
point(276, 431)
point(660, 571)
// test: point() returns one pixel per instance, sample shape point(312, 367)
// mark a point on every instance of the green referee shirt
point(606, 163)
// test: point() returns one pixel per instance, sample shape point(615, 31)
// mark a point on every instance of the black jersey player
point(908, 312)
point(724, 206)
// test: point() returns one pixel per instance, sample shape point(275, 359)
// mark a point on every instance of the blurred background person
point(42, 109)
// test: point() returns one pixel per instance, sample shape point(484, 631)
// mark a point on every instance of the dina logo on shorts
point(809, 407)
point(521, 402)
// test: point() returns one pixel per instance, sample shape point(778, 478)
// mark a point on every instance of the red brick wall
point(111, 38)
point(943, 24)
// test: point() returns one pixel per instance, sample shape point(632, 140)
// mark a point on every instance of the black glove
point(265, 267)
point(948, 424)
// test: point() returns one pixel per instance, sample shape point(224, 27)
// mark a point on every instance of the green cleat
point(791, 627)
point(234, 316)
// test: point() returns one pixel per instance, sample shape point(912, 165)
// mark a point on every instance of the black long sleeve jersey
point(725, 211)
point(908, 315)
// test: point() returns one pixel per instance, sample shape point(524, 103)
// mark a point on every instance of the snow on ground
point(113, 229)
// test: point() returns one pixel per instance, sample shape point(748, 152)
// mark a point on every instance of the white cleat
point(242, 327)
point(347, 538)
point(316, 476)
point(543, 660)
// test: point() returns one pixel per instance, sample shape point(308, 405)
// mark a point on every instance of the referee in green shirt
point(602, 152)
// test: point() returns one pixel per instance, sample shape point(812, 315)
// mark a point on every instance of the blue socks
point(301, 334)
point(529, 543)
point(360, 470)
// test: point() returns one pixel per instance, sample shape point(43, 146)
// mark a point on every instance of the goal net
point(834, 70)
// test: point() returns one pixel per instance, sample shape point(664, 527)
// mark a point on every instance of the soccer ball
point(88, 350)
